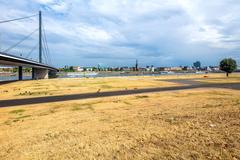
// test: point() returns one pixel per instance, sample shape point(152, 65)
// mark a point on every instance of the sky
point(117, 32)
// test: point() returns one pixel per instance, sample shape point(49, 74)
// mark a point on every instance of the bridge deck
point(7, 59)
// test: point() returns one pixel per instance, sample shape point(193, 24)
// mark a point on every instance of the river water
point(115, 74)
point(13, 78)
point(94, 75)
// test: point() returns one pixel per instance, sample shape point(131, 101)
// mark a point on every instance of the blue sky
point(116, 32)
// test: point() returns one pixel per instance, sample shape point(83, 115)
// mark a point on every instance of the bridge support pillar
point(20, 73)
point(39, 73)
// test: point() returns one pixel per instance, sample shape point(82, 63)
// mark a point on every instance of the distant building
point(77, 69)
point(187, 68)
point(125, 68)
point(88, 69)
point(142, 69)
point(136, 66)
point(214, 68)
point(176, 68)
point(152, 69)
point(148, 68)
point(170, 68)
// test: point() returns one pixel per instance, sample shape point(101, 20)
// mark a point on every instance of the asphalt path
point(188, 84)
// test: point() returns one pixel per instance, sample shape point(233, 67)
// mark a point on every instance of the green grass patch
point(104, 120)
point(140, 97)
point(212, 105)
point(83, 107)
point(127, 103)
point(236, 102)
point(8, 122)
point(50, 111)
point(22, 117)
point(16, 119)
point(18, 111)
point(106, 86)
point(28, 93)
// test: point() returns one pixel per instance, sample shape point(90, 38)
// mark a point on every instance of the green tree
point(71, 69)
point(228, 65)
point(94, 68)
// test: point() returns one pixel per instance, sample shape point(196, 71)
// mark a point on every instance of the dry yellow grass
point(201, 76)
point(193, 124)
point(220, 78)
point(40, 88)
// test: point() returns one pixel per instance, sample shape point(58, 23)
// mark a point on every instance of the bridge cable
point(45, 55)
point(31, 51)
point(47, 48)
point(16, 19)
point(25, 38)
point(44, 50)
point(48, 51)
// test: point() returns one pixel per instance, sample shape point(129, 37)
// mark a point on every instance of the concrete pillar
point(33, 74)
point(52, 74)
point(39, 73)
point(20, 73)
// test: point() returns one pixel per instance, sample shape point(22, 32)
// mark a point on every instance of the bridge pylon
point(40, 36)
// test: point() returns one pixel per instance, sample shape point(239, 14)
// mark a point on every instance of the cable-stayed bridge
point(36, 56)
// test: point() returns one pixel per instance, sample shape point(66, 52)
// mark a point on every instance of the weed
point(236, 102)
point(8, 122)
point(106, 86)
point(77, 108)
point(104, 120)
point(17, 111)
point(116, 101)
point(140, 97)
point(83, 107)
point(28, 93)
point(16, 120)
point(22, 117)
point(127, 103)
point(90, 108)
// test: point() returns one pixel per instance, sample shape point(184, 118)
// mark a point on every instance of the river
point(9, 77)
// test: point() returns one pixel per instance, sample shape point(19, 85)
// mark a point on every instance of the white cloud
point(59, 6)
point(152, 28)
point(204, 28)
point(45, 1)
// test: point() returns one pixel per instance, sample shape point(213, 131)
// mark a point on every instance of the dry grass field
point(190, 124)
point(27, 89)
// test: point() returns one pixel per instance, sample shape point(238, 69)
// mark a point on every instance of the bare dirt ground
point(191, 124)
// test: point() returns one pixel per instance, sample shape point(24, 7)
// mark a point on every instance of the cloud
point(58, 6)
point(159, 32)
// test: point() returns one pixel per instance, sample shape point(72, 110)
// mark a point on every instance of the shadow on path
point(39, 100)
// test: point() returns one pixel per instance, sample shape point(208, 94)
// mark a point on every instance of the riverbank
point(68, 86)
point(13, 76)
point(120, 74)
